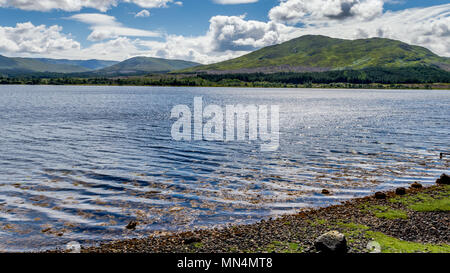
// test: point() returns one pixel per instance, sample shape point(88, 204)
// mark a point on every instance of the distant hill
point(143, 65)
point(30, 65)
point(315, 53)
point(89, 64)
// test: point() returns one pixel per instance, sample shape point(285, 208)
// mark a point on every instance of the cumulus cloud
point(236, 33)
point(76, 5)
point(427, 27)
point(233, 36)
point(106, 27)
point(26, 38)
point(230, 36)
point(315, 11)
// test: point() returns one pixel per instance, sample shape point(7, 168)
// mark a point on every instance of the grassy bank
point(417, 221)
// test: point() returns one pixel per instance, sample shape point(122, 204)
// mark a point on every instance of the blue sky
point(207, 30)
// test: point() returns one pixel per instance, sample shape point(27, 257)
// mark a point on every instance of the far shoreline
point(337, 86)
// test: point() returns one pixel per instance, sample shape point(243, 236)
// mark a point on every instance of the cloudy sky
point(208, 31)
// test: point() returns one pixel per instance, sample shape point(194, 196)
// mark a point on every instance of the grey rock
point(331, 242)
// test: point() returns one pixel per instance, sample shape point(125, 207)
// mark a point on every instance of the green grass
point(197, 245)
point(426, 201)
point(390, 244)
point(317, 222)
point(283, 247)
point(393, 245)
point(385, 212)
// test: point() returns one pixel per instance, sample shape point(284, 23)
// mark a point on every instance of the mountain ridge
point(317, 53)
point(140, 65)
point(29, 65)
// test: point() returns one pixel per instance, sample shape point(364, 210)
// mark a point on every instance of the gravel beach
point(415, 219)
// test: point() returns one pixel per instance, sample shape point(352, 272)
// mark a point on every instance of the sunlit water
point(78, 163)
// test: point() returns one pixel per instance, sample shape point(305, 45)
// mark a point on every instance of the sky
point(208, 31)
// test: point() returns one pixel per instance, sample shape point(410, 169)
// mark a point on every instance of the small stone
point(443, 180)
point(331, 242)
point(192, 239)
point(380, 195)
point(400, 191)
point(416, 185)
point(73, 247)
point(325, 191)
point(132, 225)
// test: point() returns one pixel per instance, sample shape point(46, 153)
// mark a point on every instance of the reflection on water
point(78, 163)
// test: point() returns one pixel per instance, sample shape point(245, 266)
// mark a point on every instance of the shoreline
point(416, 219)
point(338, 86)
point(435, 86)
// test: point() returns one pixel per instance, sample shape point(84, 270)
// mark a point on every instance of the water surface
point(78, 163)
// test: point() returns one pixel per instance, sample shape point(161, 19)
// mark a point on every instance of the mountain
point(315, 53)
point(143, 65)
point(88, 64)
point(30, 65)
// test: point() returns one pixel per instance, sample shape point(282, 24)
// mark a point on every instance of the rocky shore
point(414, 219)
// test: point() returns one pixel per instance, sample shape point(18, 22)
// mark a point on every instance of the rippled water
point(78, 163)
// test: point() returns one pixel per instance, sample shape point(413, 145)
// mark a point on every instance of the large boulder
point(331, 242)
point(400, 191)
point(380, 195)
point(443, 180)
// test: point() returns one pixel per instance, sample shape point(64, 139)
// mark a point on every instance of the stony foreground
point(406, 220)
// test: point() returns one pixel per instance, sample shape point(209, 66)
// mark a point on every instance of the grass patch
point(426, 201)
point(317, 222)
point(385, 212)
point(394, 245)
point(390, 244)
point(283, 247)
point(197, 245)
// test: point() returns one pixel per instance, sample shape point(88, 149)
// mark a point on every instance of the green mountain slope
point(29, 65)
point(88, 64)
point(140, 65)
point(313, 53)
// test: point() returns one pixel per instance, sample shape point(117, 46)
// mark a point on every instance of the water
point(78, 163)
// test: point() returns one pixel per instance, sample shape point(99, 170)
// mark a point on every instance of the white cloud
point(106, 27)
point(150, 3)
point(427, 27)
point(233, 36)
point(234, 2)
point(230, 36)
point(236, 33)
point(26, 38)
point(313, 11)
point(76, 5)
point(143, 13)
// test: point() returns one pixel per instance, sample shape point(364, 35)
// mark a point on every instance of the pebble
point(132, 225)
